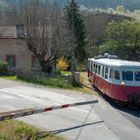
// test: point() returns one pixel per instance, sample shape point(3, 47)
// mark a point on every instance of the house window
point(11, 60)
point(35, 62)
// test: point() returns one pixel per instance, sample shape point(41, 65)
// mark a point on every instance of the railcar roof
point(116, 62)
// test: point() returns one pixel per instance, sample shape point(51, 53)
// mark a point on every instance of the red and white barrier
point(31, 111)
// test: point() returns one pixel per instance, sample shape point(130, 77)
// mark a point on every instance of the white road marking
point(39, 96)
point(36, 92)
point(71, 117)
point(2, 96)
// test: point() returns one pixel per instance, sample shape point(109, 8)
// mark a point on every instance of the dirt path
point(87, 84)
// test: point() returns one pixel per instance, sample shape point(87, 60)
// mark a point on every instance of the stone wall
point(19, 49)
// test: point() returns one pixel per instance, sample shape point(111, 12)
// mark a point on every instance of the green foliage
point(2, 137)
point(109, 47)
point(3, 68)
point(66, 73)
point(58, 82)
point(123, 38)
point(16, 130)
point(25, 131)
point(71, 11)
point(75, 84)
point(81, 67)
point(11, 77)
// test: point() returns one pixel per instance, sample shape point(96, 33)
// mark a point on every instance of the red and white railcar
point(116, 78)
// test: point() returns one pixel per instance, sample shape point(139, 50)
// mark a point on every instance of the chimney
point(20, 31)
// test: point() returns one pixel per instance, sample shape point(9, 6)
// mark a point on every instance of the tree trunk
point(45, 67)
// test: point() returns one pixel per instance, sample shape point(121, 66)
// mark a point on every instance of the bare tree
point(42, 31)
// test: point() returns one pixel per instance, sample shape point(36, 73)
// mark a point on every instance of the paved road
point(98, 122)
point(131, 114)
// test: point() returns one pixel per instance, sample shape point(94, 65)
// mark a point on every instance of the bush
point(3, 68)
point(81, 67)
point(62, 64)
point(24, 131)
point(16, 130)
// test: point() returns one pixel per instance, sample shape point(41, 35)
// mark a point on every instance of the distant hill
point(128, 4)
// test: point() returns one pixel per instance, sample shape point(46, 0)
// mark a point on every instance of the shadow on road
point(135, 112)
point(75, 127)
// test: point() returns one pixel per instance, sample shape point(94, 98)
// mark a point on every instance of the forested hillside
point(95, 24)
point(128, 4)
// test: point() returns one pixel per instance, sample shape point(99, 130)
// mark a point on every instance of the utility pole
point(73, 63)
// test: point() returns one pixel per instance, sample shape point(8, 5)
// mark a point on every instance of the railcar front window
point(117, 75)
point(127, 75)
point(137, 75)
point(114, 74)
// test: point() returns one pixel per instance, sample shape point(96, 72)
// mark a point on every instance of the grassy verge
point(10, 77)
point(50, 82)
point(66, 73)
point(54, 82)
point(15, 130)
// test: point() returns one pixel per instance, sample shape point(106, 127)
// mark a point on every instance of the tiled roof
point(8, 32)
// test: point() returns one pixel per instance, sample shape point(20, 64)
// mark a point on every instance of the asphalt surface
point(132, 114)
point(99, 121)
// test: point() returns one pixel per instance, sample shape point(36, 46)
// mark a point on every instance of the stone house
point(14, 50)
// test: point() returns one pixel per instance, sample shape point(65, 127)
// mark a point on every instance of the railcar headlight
point(122, 83)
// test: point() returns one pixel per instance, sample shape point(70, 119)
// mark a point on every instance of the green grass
point(50, 82)
point(66, 73)
point(10, 77)
point(16, 130)
point(53, 82)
